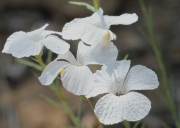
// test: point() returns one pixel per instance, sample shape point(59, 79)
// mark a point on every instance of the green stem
point(96, 4)
point(66, 105)
point(158, 54)
point(80, 107)
point(40, 61)
point(100, 124)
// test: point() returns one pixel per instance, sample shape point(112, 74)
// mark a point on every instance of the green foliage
point(88, 6)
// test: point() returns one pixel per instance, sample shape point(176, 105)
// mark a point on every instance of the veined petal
point(121, 71)
point(20, 45)
point(55, 44)
point(125, 19)
point(36, 34)
point(45, 33)
point(10, 40)
point(96, 19)
point(140, 78)
point(77, 79)
point(111, 109)
point(68, 56)
point(78, 29)
point(103, 83)
point(51, 71)
point(95, 54)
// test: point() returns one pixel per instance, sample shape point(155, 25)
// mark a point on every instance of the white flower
point(91, 29)
point(76, 76)
point(24, 44)
point(122, 103)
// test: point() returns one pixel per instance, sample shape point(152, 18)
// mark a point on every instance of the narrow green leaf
point(143, 125)
point(165, 125)
point(162, 97)
point(80, 107)
point(136, 124)
point(30, 64)
point(88, 6)
point(126, 57)
point(49, 57)
point(144, 35)
point(126, 124)
point(89, 126)
point(53, 102)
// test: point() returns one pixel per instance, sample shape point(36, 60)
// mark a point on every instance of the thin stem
point(80, 107)
point(100, 124)
point(96, 4)
point(153, 42)
point(66, 105)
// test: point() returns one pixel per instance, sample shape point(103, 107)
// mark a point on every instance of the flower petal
point(78, 29)
point(121, 71)
point(36, 34)
point(10, 40)
point(68, 56)
point(140, 78)
point(77, 79)
point(95, 54)
point(97, 19)
point(103, 83)
point(45, 33)
point(20, 45)
point(125, 19)
point(51, 71)
point(55, 44)
point(111, 109)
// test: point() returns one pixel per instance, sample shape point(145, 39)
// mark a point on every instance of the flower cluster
point(95, 48)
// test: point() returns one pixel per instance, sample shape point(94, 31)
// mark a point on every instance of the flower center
point(78, 64)
point(119, 93)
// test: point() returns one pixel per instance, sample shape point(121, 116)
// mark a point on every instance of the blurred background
point(20, 103)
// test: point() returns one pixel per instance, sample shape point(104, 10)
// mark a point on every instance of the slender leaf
point(143, 125)
point(88, 6)
point(30, 64)
point(80, 107)
point(89, 126)
point(126, 124)
point(165, 125)
point(162, 97)
point(126, 57)
point(53, 102)
point(49, 57)
point(136, 124)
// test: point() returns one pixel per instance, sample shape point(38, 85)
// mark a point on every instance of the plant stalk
point(158, 54)
point(96, 4)
point(100, 124)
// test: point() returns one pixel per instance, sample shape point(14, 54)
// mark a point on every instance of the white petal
point(78, 29)
point(68, 56)
point(55, 44)
point(45, 33)
point(97, 19)
point(100, 53)
point(21, 46)
point(10, 40)
point(36, 34)
point(136, 106)
point(121, 71)
point(140, 78)
point(111, 109)
point(125, 19)
point(51, 71)
point(103, 83)
point(77, 79)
